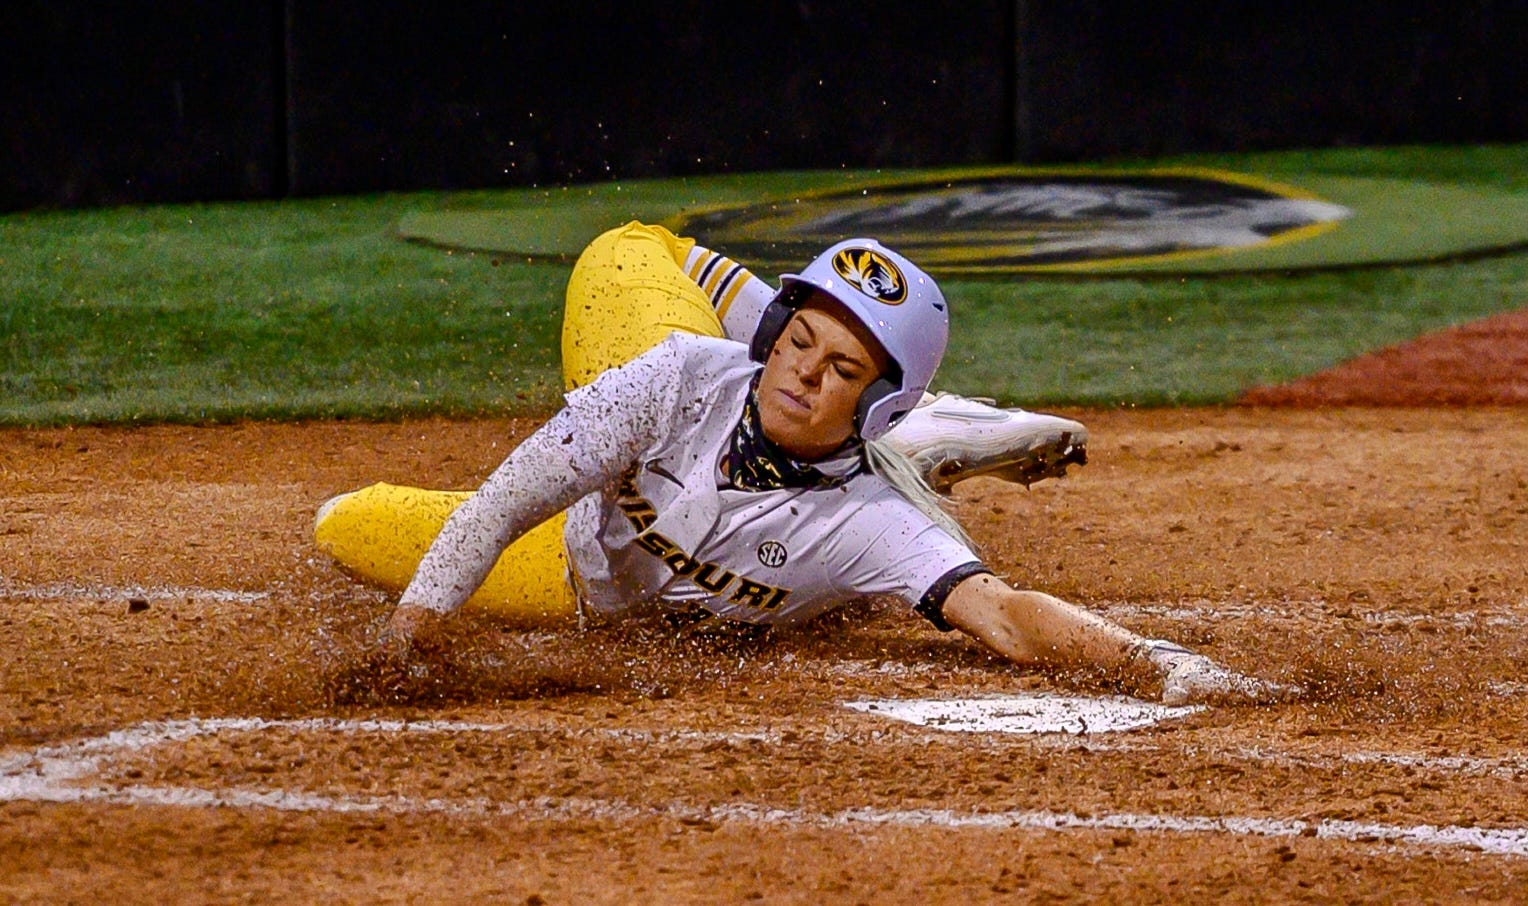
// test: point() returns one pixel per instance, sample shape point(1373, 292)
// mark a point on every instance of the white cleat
point(951, 438)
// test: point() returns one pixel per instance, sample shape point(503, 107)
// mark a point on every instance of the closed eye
point(802, 334)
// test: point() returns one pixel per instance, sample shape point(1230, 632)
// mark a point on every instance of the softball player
point(746, 482)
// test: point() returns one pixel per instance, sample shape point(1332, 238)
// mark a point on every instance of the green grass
point(1496, 166)
point(1195, 342)
point(314, 308)
point(296, 309)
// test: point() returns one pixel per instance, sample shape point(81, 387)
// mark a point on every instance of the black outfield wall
point(110, 102)
point(113, 102)
point(482, 93)
point(1102, 78)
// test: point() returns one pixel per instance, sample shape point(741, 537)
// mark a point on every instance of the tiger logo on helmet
point(871, 273)
point(893, 298)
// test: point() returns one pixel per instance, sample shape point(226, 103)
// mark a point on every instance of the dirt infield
point(1480, 364)
point(171, 730)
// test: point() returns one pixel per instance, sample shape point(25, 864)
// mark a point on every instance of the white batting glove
point(1194, 679)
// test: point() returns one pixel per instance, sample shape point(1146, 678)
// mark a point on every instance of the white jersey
point(674, 529)
point(656, 521)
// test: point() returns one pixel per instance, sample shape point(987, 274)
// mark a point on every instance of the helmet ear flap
point(878, 390)
point(772, 323)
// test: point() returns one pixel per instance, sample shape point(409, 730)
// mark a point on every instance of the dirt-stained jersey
point(656, 521)
point(672, 528)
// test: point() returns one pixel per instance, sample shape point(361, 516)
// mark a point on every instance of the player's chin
point(791, 429)
point(784, 427)
point(806, 439)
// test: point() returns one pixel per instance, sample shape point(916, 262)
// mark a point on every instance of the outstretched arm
point(584, 447)
point(1031, 627)
point(545, 474)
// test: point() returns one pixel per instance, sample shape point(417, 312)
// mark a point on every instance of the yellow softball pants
point(627, 292)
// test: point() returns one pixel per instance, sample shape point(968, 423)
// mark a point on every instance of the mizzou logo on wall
point(1011, 221)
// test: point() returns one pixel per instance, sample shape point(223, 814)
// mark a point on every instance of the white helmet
point(899, 304)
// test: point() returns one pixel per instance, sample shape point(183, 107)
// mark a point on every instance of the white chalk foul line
point(61, 591)
point(1285, 611)
point(59, 774)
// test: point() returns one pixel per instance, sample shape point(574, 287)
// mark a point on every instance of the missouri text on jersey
point(709, 576)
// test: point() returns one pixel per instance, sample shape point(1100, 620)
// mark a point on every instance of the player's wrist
point(406, 623)
point(1161, 654)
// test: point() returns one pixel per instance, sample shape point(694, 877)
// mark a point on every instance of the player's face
point(813, 380)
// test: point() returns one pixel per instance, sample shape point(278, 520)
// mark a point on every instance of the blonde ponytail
point(899, 472)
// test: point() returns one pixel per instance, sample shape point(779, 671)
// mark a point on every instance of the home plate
point(1037, 713)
